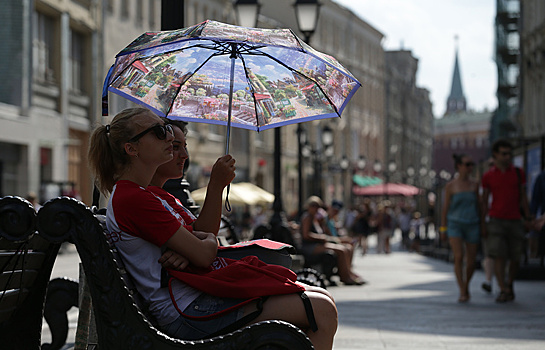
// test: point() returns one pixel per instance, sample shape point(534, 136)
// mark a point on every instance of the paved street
point(410, 303)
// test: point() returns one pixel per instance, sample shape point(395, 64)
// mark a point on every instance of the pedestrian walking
point(386, 226)
point(460, 221)
point(487, 262)
point(404, 221)
point(505, 230)
point(361, 227)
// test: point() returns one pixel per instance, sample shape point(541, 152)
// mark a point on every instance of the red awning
point(140, 66)
point(391, 189)
point(261, 96)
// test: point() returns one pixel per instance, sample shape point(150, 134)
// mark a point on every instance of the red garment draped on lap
point(248, 277)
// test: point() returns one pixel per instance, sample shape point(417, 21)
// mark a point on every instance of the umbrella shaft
point(231, 83)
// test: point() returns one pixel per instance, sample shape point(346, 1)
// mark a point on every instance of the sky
point(428, 28)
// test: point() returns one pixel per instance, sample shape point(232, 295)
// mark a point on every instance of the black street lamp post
point(392, 167)
point(318, 155)
point(344, 164)
point(306, 14)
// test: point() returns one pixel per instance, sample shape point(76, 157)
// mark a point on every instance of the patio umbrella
point(241, 193)
point(223, 74)
point(391, 189)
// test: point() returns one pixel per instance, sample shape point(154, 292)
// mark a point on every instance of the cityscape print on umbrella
point(186, 74)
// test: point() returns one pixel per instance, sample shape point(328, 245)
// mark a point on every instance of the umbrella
point(219, 73)
point(241, 193)
point(391, 189)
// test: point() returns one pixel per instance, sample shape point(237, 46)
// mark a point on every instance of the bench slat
point(32, 260)
point(9, 300)
point(17, 279)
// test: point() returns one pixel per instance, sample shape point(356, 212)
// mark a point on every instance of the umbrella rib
point(253, 91)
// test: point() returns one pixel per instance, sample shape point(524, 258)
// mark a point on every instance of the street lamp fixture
point(423, 171)
point(410, 171)
point(377, 167)
point(247, 12)
point(344, 163)
point(392, 167)
point(306, 13)
point(327, 141)
point(361, 163)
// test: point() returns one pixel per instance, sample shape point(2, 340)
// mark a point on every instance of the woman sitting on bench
point(124, 157)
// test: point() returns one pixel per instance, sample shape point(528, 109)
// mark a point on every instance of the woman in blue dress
point(461, 221)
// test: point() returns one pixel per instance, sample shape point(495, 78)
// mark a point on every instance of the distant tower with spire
point(456, 101)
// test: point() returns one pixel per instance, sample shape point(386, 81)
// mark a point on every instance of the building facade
point(62, 50)
point(48, 99)
point(408, 123)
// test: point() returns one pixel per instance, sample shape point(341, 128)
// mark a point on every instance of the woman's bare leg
point(471, 256)
point(457, 250)
point(290, 308)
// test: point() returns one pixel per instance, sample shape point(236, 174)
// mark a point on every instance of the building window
point(110, 5)
point(125, 8)
point(42, 48)
point(151, 13)
point(77, 62)
point(139, 12)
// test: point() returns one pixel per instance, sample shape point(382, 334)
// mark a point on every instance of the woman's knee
point(325, 311)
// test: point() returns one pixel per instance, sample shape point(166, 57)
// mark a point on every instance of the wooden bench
point(26, 261)
point(121, 320)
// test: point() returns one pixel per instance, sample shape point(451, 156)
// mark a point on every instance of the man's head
point(502, 152)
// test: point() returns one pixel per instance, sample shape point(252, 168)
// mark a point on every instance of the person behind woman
point(124, 157)
point(210, 214)
point(316, 241)
point(385, 220)
point(361, 227)
point(460, 221)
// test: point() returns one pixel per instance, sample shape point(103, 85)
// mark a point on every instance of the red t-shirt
point(504, 188)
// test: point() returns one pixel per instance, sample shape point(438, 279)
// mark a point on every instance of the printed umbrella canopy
point(219, 73)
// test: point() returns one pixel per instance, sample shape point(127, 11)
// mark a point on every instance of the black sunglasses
point(159, 130)
point(468, 163)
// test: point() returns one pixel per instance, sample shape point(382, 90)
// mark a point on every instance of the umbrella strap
point(227, 204)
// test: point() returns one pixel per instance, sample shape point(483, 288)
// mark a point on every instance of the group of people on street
point(494, 212)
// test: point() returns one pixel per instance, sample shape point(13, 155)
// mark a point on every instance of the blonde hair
point(107, 157)
point(314, 200)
